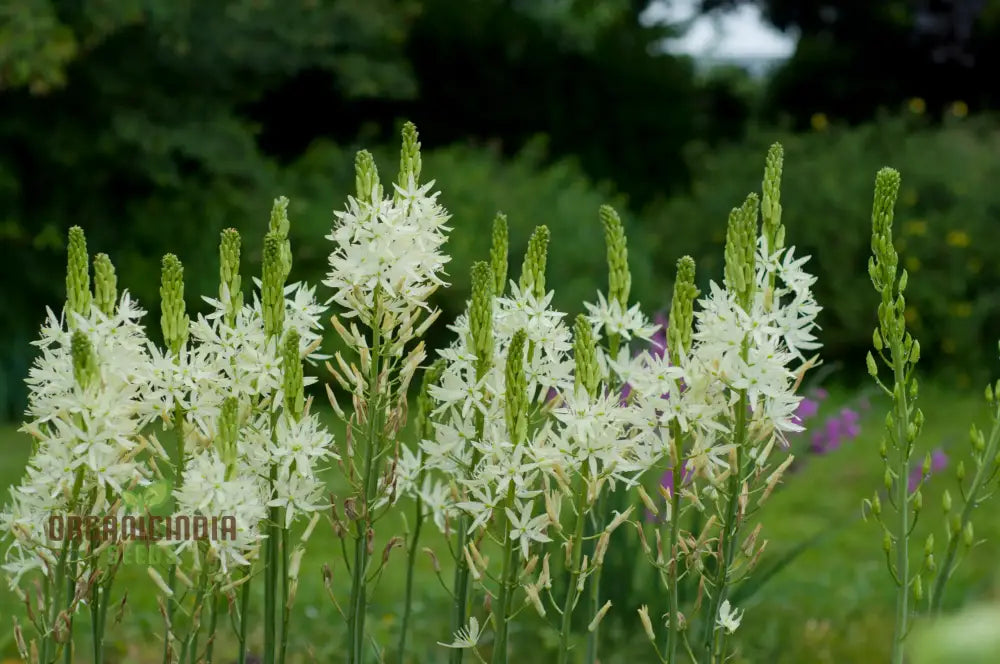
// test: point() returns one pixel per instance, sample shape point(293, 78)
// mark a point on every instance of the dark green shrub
point(946, 219)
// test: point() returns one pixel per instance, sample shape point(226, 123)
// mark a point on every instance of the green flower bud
point(481, 317)
point(918, 501)
point(877, 340)
point(230, 282)
point(770, 205)
point(173, 317)
point(967, 535)
point(946, 501)
point(272, 286)
point(105, 285)
point(228, 430)
point(291, 365)
point(930, 564)
point(886, 542)
point(588, 371)
point(915, 352)
point(876, 505)
point(619, 277)
point(498, 253)
point(681, 320)
point(978, 439)
point(409, 156)
point(77, 274)
point(425, 404)
point(918, 588)
point(516, 403)
point(960, 471)
point(954, 525)
point(84, 360)
point(741, 250)
point(885, 258)
point(279, 225)
point(887, 479)
point(533, 267)
point(927, 464)
point(929, 545)
point(872, 367)
point(366, 177)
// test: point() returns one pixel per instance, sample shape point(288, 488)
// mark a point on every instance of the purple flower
point(837, 430)
point(939, 461)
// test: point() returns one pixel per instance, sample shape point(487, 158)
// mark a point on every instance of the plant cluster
point(537, 438)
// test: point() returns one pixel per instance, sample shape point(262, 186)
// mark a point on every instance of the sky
point(740, 33)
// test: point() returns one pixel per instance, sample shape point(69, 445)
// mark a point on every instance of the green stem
point(244, 608)
point(411, 559)
point(172, 572)
point(461, 586)
point(566, 629)
point(359, 571)
point(286, 609)
point(903, 505)
point(729, 530)
point(978, 480)
point(673, 621)
point(212, 624)
point(271, 547)
point(503, 600)
point(595, 605)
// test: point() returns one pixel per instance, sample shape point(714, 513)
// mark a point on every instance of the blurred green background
point(154, 124)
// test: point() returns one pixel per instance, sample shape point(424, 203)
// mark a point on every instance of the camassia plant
point(898, 351)
point(535, 437)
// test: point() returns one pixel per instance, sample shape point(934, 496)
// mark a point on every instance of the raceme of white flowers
point(534, 432)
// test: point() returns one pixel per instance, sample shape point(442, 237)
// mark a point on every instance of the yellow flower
point(915, 227)
point(913, 263)
point(959, 109)
point(917, 105)
point(960, 310)
point(957, 239)
point(819, 121)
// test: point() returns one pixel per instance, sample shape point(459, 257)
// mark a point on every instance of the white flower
point(393, 245)
point(526, 529)
point(465, 637)
point(729, 618)
point(613, 319)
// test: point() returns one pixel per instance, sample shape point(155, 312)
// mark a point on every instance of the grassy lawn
point(832, 604)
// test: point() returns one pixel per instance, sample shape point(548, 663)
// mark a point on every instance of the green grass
point(832, 604)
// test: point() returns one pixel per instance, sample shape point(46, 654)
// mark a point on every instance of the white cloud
point(735, 34)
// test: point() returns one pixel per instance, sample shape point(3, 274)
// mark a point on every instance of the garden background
point(154, 124)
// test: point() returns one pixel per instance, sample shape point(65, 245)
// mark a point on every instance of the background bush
point(948, 211)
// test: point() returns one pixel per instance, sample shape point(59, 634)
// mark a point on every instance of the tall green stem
point(502, 606)
point(903, 505)
point(285, 608)
point(728, 533)
point(566, 629)
point(271, 550)
point(984, 471)
point(244, 609)
point(359, 571)
point(411, 559)
point(673, 576)
point(172, 572)
point(461, 585)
